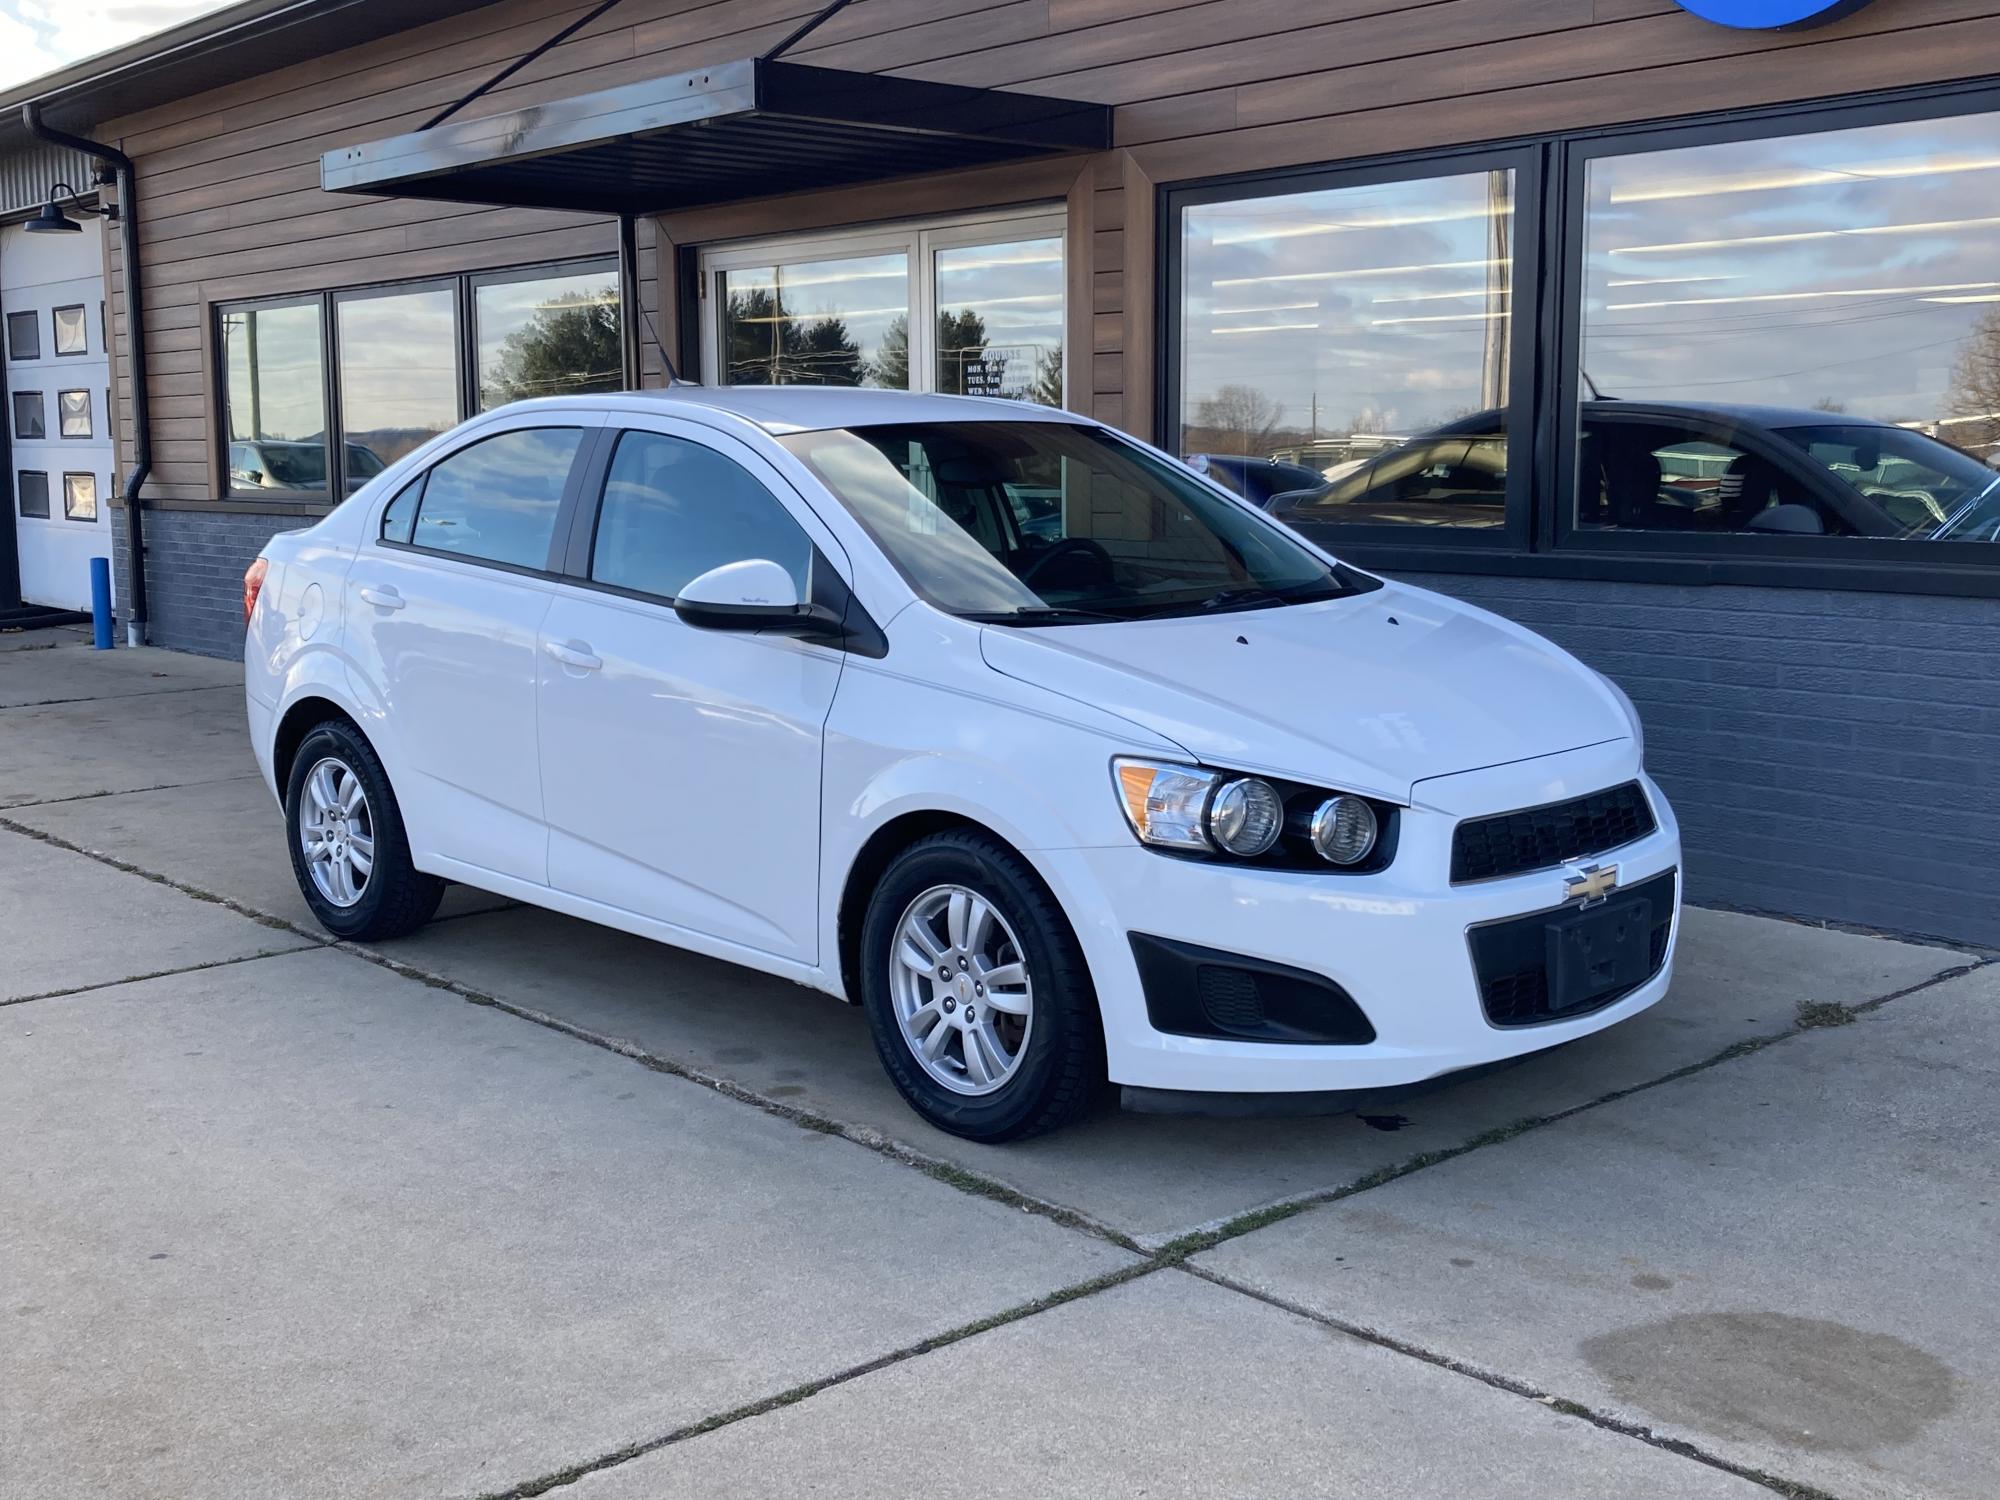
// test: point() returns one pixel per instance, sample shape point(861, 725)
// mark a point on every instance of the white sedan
point(1060, 761)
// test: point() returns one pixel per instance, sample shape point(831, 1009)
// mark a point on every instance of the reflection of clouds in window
point(1848, 269)
point(1312, 317)
point(275, 380)
point(1000, 322)
point(398, 371)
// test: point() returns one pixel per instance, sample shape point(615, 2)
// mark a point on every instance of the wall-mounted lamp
point(51, 219)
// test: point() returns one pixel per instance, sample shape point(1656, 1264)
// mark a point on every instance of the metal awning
point(746, 129)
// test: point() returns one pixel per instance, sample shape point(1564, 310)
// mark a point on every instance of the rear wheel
point(976, 991)
point(348, 847)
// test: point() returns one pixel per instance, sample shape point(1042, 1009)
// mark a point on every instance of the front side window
point(274, 400)
point(1817, 314)
point(1057, 523)
point(673, 509)
point(1332, 328)
point(548, 335)
point(398, 375)
point(496, 501)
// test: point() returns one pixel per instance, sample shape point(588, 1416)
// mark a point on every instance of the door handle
point(382, 598)
point(573, 654)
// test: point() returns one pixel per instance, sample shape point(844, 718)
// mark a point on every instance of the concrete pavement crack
point(112, 984)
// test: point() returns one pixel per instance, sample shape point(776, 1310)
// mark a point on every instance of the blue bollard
point(100, 603)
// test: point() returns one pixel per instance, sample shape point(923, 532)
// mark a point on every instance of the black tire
point(396, 898)
point(1061, 1068)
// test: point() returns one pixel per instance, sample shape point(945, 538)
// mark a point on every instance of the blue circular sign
point(1771, 15)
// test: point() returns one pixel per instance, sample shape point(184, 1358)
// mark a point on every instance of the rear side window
point(673, 509)
point(400, 514)
point(497, 500)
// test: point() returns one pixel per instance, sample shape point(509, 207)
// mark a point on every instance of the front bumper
point(1395, 941)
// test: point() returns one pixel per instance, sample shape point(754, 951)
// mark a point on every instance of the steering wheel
point(1069, 546)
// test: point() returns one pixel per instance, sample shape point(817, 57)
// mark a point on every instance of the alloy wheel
point(336, 831)
point(960, 984)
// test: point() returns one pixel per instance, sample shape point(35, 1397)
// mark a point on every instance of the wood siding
point(231, 206)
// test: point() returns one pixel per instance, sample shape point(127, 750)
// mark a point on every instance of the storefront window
point(1000, 320)
point(1362, 333)
point(829, 322)
point(1796, 336)
point(960, 307)
point(548, 335)
point(274, 400)
point(398, 372)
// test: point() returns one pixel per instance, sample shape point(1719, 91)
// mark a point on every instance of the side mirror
point(756, 594)
point(1791, 519)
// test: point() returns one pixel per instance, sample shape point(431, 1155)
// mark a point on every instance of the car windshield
point(1058, 523)
point(1919, 482)
point(297, 466)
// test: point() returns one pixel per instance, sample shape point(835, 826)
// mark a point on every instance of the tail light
point(253, 585)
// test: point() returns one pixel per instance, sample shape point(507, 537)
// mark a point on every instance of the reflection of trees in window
point(769, 346)
point(1974, 401)
point(570, 345)
point(1236, 419)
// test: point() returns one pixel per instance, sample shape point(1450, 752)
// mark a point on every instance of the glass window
point(80, 497)
point(552, 335)
point(1000, 320)
point(399, 516)
point(274, 400)
point(24, 336)
point(497, 500)
point(73, 413)
point(1816, 316)
point(29, 418)
point(1332, 328)
point(673, 509)
point(1056, 523)
point(70, 335)
point(32, 488)
point(397, 366)
point(830, 322)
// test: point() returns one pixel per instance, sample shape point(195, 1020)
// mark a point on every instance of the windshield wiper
point(1043, 614)
point(1256, 596)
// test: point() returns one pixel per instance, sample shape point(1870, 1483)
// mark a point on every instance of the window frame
point(41, 415)
point(1550, 546)
point(89, 433)
point(55, 327)
point(1525, 286)
point(34, 317)
point(918, 241)
point(20, 502)
point(465, 353)
point(96, 500)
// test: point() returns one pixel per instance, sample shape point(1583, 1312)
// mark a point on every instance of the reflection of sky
point(1017, 291)
point(398, 362)
point(281, 394)
point(1844, 267)
point(1373, 303)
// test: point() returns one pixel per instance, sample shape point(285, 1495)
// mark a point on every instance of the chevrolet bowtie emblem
point(1593, 883)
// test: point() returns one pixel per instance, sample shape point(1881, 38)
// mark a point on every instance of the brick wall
point(1832, 756)
point(194, 575)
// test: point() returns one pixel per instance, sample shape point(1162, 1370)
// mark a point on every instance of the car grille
point(1536, 838)
point(1511, 960)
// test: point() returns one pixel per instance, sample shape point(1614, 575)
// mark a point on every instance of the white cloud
point(38, 36)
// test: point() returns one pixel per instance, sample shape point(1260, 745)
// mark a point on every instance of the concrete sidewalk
point(283, 1217)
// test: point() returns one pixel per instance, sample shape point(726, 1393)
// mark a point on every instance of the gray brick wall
point(1834, 756)
point(194, 575)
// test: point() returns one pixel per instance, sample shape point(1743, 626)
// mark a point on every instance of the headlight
point(1198, 811)
point(1343, 830)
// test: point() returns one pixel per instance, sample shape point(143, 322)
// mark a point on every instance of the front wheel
point(977, 994)
point(349, 851)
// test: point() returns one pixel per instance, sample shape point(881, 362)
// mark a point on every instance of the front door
point(58, 408)
point(681, 767)
point(445, 606)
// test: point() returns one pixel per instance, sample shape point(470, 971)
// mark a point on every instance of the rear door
point(681, 767)
point(445, 605)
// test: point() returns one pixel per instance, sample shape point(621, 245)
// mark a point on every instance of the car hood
point(1372, 693)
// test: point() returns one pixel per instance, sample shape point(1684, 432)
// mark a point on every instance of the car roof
point(1743, 414)
point(803, 408)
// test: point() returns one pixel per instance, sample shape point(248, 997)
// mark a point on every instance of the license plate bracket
point(1598, 951)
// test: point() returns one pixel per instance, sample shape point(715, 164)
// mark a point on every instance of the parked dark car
point(1663, 466)
point(1255, 479)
